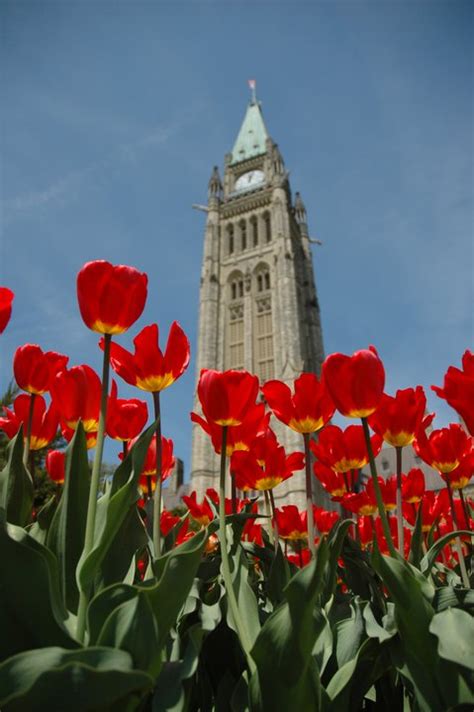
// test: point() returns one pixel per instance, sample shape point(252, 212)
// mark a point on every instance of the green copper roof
point(252, 135)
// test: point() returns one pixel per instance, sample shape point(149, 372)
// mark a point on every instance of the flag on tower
point(252, 83)
point(253, 86)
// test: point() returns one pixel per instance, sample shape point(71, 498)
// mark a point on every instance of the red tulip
point(398, 418)
point(301, 559)
point(355, 382)
point(430, 510)
point(344, 450)
point(291, 523)
point(444, 449)
point(458, 389)
point(251, 531)
point(44, 424)
point(461, 476)
point(56, 465)
point(226, 397)
point(333, 482)
point(241, 436)
point(307, 410)
point(76, 394)
point(362, 503)
point(265, 465)
point(201, 513)
point(148, 368)
point(324, 520)
point(111, 297)
point(167, 458)
point(35, 370)
point(125, 418)
point(413, 486)
point(168, 522)
point(6, 299)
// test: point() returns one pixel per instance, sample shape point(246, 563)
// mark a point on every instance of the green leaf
point(454, 629)
point(133, 627)
point(339, 687)
point(32, 614)
point(54, 679)
point(373, 628)
point(39, 529)
point(416, 550)
point(350, 634)
point(112, 510)
point(110, 613)
point(130, 538)
point(430, 556)
point(448, 596)
point(66, 534)
point(335, 541)
point(16, 486)
point(287, 676)
point(278, 577)
point(170, 693)
point(247, 603)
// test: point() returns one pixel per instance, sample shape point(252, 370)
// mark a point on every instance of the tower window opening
point(268, 227)
point(260, 283)
point(230, 239)
point(254, 231)
point(241, 288)
point(267, 280)
point(233, 290)
point(243, 235)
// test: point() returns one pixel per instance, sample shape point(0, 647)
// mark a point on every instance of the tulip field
point(230, 604)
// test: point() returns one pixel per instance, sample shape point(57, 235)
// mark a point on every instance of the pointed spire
point(300, 210)
point(253, 135)
point(215, 185)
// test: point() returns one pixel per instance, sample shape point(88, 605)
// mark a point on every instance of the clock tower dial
point(249, 180)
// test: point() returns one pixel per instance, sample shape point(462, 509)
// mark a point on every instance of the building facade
point(258, 306)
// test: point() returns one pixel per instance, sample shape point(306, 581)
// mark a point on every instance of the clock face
point(249, 180)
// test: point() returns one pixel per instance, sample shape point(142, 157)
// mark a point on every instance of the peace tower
point(258, 306)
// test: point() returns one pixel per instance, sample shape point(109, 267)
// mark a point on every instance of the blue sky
point(115, 112)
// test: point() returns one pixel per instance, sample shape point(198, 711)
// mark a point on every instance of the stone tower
point(258, 306)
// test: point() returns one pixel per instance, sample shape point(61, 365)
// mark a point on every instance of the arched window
point(230, 239)
point(241, 287)
point(268, 227)
point(262, 354)
point(260, 282)
point(233, 290)
point(243, 234)
point(254, 230)
point(267, 280)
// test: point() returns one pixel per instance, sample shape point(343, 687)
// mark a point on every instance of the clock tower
point(258, 306)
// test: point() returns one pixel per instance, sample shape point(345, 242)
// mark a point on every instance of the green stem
point(268, 512)
point(274, 520)
point(465, 509)
point(462, 563)
point(399, 501)
point(94, 486)
point(378, 493)
point(309, 496)
point(233, 605)
point(26, 449)
point(159, 479)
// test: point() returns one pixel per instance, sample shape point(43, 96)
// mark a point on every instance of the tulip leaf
point(448, 596)
point(66, 534)
point(111, 618)
point(112, 510)
point(287, 676)
point(437, 683)
point(430, 557)
point(39, 529)
point(414, 556)
point(350, 633)
point(454, 629)
point(247, 603)
point(119, 559)
point(335, 541)
point(55, 679)
point(373, 628)
point(16, 486)
point(170, 694)
point(31, 610)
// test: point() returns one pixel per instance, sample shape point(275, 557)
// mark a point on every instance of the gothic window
point(233, 290)
point(254, 224)
point(267, 227)
point(234, 351)
point(241, 287)
point(243, 234)
point(263, 326)
point(230, 239)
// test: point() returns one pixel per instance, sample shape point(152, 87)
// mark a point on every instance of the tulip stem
point(268, 513)
point(274, 519)
point(159, 479)
point(309, 496)
point(465, 509)
point(26, 450)
point(399, 502)
point(378, 493)
point(462, 563)
point(94, 486)
point(233, 605)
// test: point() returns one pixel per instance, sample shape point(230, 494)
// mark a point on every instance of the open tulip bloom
point(6, 301)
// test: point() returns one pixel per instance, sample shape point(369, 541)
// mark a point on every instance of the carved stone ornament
point(264, 304)
point(236, 311)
